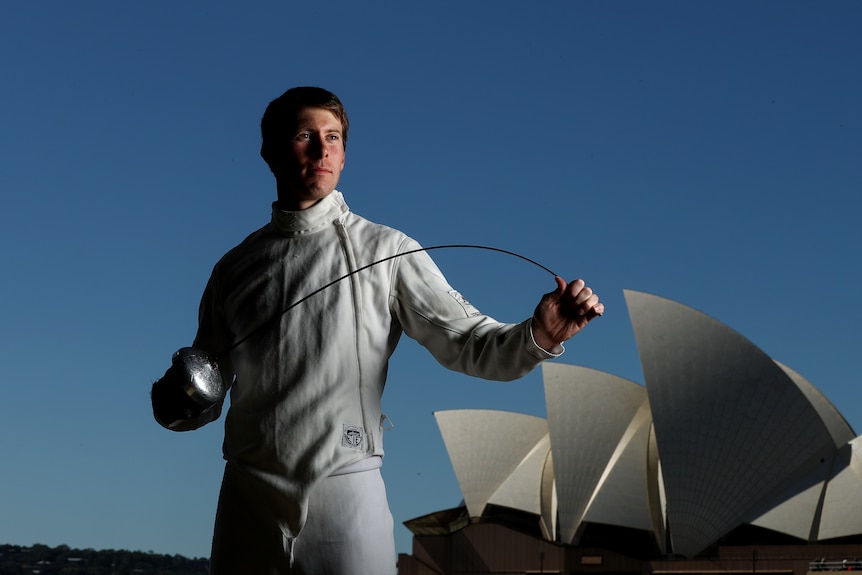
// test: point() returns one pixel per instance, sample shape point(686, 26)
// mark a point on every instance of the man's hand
point(564, 312)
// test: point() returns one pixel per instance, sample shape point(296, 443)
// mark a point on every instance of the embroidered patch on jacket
point(468, 307)
point(352, 437)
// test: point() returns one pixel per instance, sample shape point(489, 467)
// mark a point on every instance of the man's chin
point(319, 187)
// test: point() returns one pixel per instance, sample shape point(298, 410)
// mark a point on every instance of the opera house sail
point(718, 436)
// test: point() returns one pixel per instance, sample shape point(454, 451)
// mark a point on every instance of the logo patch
point(468, 307)
point(352, 437)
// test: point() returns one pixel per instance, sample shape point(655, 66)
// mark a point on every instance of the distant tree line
point(44, 560)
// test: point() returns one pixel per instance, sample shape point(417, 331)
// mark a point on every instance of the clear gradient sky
point(707, 152)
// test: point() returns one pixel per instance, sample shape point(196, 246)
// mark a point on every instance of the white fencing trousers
point(349, 531)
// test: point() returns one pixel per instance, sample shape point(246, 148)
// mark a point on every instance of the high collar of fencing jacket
point(310, 220)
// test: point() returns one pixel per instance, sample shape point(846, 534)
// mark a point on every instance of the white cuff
point(533, 339)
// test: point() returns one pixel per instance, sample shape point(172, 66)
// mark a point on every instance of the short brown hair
point(279, 119)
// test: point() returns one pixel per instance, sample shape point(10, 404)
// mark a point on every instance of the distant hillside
point(44, 560)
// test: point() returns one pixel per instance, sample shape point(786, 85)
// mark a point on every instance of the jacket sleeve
point(213, 338)
point(456, 333)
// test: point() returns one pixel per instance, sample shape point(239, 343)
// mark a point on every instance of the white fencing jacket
point(306, 384)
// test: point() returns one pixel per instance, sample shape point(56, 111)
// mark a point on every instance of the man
point(302, 491)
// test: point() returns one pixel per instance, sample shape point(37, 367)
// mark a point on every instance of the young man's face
point(313, 160)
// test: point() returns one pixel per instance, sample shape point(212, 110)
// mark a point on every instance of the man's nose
point(318, 146)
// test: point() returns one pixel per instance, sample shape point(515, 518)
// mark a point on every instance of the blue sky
point(707, 152)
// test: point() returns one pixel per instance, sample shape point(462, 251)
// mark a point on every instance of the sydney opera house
point(725, 461)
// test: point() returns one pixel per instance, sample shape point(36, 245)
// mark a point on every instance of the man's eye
point(334, 137)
